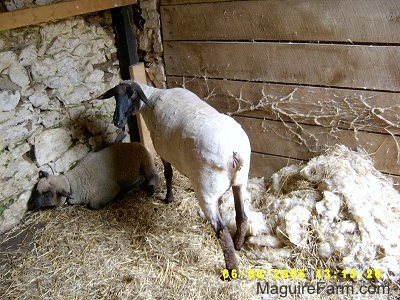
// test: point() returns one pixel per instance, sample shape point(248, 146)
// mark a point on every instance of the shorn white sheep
point(210, 148)
point(98, 178)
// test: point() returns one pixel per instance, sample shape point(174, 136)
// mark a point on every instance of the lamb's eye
point(48, 194)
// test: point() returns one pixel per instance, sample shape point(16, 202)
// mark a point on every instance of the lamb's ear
point(110, 93)
point(140, 94)
point(43, 174)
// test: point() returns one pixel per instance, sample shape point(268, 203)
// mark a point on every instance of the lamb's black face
point(43, 198)
point(48, 192)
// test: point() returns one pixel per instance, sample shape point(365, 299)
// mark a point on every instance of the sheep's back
point(191, 134)
point(118, 162)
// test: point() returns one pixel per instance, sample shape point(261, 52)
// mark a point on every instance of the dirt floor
point(137, 248)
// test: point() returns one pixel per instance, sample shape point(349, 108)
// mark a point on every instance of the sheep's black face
point(127, 97)
point(123, 108)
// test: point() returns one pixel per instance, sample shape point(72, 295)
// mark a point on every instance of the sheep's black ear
point(135, 89)
point(43, 174)
point(110, 93)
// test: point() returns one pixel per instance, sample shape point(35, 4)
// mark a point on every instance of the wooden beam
point(45, 13)
point(138, 73)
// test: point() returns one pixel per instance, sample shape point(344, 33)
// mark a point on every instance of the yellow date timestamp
point(320, 274)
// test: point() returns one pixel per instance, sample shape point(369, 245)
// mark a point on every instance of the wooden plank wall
point(298, 75)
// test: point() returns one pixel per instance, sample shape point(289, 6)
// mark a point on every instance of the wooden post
point(138, 73)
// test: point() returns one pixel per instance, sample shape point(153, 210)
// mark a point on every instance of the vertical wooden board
point(342, 108)
point(363, 67)
point(367, 21)
point(138, 73)
point(304, 141)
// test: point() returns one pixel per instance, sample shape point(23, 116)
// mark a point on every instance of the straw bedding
point(135, 248)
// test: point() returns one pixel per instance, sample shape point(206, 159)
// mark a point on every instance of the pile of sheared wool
point(336, 207)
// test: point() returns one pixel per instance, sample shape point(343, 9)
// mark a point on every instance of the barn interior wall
point(299, 76)
point(50, 75)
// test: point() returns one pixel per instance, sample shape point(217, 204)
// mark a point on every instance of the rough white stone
point(82, 50)
point(43, 68)
point(9, 100)
point(153, 20)
point(79, 93)
point(65, 63)
point(51, 118)
point(44, 2)
point(148, 5)
point(39, 98)
point(19, 75)
point(7, 58)
point(17, 151)
point(17, 176)
point(13, 214)
point(7, 84)
point(95, 76)
point(28, 55)
point(17, 129)
point(27, 91)
point(6, 116)
point(70, 158)
point(157, 46)
point(51, 144)
point(58, 82)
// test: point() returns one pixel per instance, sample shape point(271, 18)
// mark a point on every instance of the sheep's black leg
point(241, 218)
point(226, 243)
point(168, 178)
point(210, 208)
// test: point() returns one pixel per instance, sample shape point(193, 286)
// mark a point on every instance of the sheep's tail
point(235, 164)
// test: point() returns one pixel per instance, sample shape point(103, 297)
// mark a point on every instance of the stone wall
point(49, 76)
point(150, 43)
point(19, 4)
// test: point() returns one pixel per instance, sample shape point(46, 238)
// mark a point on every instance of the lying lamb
point(98, 178)
point(210, 148)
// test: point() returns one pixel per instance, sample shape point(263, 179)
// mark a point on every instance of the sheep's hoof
point(168, 199)
point(151, 190)
point(229, 274)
